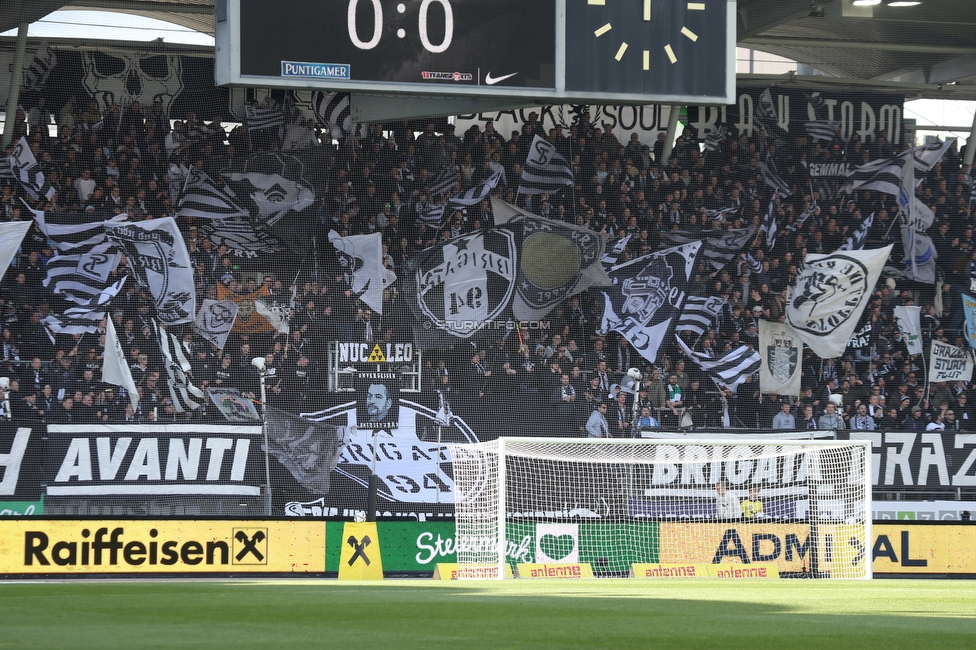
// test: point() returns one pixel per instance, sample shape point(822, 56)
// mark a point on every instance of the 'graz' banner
point(949, 363)
point(21, 454)
point(788, 113)
point(915, 459)
point(153, 460)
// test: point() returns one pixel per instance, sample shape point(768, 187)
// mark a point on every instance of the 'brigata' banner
point(154, 460)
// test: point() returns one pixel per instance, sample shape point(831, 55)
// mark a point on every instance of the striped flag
point(714, 140)
point(86, 318)
point(823, 129)
point(443, 184)
point(265, 116)
point(185, 396)
point(719, 247)
point(773, 179)
point(698, 314)
point(202, 198)
point(433, 215)
point(857, 240)
point(334, 112)
point(241, 238)
point(479, 192)
point(729, 370)
point(609, 259)
point(24, 167)
point(769, 224)
point(85, 257)
point(754, 265)
point(545, 171)
point(884, 174)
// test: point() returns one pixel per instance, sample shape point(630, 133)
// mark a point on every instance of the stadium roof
point(925, 50)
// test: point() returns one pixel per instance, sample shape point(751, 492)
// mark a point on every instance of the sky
point(115, 26)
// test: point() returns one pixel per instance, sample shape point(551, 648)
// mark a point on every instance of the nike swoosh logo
point(491, 81)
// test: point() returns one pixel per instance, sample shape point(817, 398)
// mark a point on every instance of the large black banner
point(153, 460)
point(921, 459)
point(788, 113)
point(21, 455)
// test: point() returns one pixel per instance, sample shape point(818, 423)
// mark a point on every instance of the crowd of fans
point(380, 181)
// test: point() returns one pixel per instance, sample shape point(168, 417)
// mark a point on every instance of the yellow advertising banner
point(44, 546)
point(788, 547)
point(360, 556)
point(451, 571)
point(924, 548)
point(579, 570)
point(752, 571)
point(658, 570)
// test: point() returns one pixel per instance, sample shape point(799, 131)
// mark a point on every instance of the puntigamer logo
point(112, 547)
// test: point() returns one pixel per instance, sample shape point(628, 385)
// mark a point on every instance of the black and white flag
point(158, 257)
point(11, 234)
point(699, 314)
point(859, 237)
point(24, 167)
point(769, 226)
point(242, 239)
point(772, 177)
point(202, 198)
point(308, 450)
point(276, 190)
point(609, 259)
point(729, 370)
point(782, 354)
point(647, 295)
point(87, 318)
point(333, 111)
point(714, 140)
point(215, 320)
point(39, 69)
point(457, 286)
point(443, 183)
point(115, 368)
point(361, 260)
point(433, 215)
point(719, 247)
point(823, 129)
point(268, 114)
point(545, 171)
point(479, 192)
point(916, 218)
point(185, 396)
point(884, 174)
point(830, 294)
point(81, 270)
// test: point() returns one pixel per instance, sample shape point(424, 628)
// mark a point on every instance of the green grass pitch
point(512, 614)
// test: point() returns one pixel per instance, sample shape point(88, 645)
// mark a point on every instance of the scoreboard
point(637, 51)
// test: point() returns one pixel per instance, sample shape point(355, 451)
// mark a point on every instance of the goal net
point(663, 507)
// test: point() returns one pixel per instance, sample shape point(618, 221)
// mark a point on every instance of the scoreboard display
point(555, 50)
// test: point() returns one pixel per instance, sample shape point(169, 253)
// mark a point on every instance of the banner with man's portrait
point(378, 400)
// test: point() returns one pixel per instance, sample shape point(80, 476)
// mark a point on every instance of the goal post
point(802, 507)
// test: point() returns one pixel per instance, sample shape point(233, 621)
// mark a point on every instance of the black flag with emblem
point(647, 295)
point(457, 286)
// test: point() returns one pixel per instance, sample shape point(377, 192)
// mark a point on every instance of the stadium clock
point(440, 42)
point(670, 47)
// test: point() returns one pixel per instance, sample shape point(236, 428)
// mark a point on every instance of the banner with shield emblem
point(782, 359)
